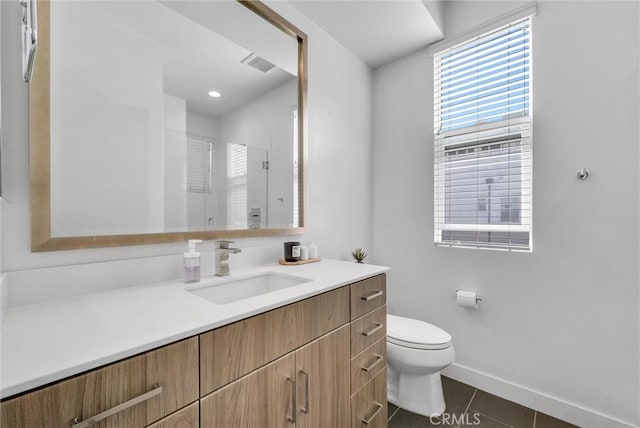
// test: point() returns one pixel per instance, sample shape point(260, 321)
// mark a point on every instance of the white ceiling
point(195, 57)
point(377, 31)
point(202, 42)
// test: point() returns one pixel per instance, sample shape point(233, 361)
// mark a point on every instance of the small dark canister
point(292, 251)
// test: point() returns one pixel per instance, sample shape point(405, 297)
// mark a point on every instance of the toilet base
point(401, 391)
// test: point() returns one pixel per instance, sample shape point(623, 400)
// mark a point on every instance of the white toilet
point(416, 353)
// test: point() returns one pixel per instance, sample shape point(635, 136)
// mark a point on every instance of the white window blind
point(482, 123)
point(199, 164)
point(295, 169)
point(237, 179)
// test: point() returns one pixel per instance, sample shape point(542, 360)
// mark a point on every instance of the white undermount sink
point(235, 289)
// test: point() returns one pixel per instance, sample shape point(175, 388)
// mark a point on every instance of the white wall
point(338, 171)
point(90, 183)
point(174, 146)
point(202, 125)
point(3, 288)
point(561, 321)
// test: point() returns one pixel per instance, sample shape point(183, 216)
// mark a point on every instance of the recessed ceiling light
point(214, 94)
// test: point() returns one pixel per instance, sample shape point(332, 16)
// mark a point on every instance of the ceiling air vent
point(259, 63)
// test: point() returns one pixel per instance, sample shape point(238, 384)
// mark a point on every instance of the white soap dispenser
point(192, 262)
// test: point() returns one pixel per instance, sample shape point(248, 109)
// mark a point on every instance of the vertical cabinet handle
point(305, 409)
point(292, 417)
point(376, 293)
point(373, 330)
point(77, 423)
point(367, 421)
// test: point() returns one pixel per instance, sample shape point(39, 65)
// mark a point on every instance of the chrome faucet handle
point(224, 244)
point(222, 257)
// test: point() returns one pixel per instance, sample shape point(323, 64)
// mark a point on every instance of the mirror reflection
point(170, 117)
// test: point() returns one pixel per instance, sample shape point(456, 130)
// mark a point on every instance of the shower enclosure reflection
point(227, 185)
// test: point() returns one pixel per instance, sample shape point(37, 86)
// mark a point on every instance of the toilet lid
point(416, 334)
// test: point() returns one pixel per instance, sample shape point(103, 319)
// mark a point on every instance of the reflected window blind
point(482, 123)
point(199, 165)
point(237, 178)
point(295, 169)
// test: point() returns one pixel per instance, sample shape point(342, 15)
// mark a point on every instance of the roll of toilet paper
point(467, 299)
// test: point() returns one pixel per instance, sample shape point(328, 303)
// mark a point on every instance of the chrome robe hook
point(583, 174)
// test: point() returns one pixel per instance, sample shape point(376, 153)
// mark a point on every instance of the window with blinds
point(199, 164)
point(237, 179)
point(482, 123)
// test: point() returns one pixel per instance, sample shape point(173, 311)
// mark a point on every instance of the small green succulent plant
point(359, 255)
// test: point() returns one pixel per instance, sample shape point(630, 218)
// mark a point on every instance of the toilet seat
point(416, 334)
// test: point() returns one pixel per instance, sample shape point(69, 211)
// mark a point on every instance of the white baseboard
point(544, 403)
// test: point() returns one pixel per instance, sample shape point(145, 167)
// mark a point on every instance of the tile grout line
point(394, 413)
point(493, 419)
point(472, 397)
point(468, 405)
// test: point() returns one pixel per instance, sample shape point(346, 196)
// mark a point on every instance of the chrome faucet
point(222, 257)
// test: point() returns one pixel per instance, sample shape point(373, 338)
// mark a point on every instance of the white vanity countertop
point(47, 342)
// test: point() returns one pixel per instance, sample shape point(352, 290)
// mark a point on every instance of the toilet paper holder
point(467, 299)
point(478, 298)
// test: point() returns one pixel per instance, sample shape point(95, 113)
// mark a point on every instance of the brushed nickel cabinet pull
point(373, 416)
point(305, 409)
point(373, 330)
point(77, 423)
point(376, 293)
point(292, 417)
point(373, 365)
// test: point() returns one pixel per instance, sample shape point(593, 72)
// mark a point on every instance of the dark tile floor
point(471, 407)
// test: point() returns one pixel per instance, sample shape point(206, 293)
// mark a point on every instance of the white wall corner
point(436, 10)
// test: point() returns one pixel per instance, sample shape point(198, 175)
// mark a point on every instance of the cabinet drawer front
point(368, 363)
point(369, 405)
point(367, 330)
point(132, 393)
point(232, 351)
point(367, 295)
point(189, 417)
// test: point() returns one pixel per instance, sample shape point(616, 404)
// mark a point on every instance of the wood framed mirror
point(129, 146)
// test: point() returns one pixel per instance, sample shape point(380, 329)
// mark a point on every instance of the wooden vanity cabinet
point(306, 388)
point(369, 353)
point(319, 362)
point(189, 417)
point(369, 404)
point(367, 295)
point(229, 352)
point(340, 370)
point(131, 393)
point(322, 370)
point(264, 398)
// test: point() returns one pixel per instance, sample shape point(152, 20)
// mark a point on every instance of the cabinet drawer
point(368, 329)
point(232, 351)
point(189, 417)
point(369, 405)
point(367, 295)
point(132, 393)
point(368, 363)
